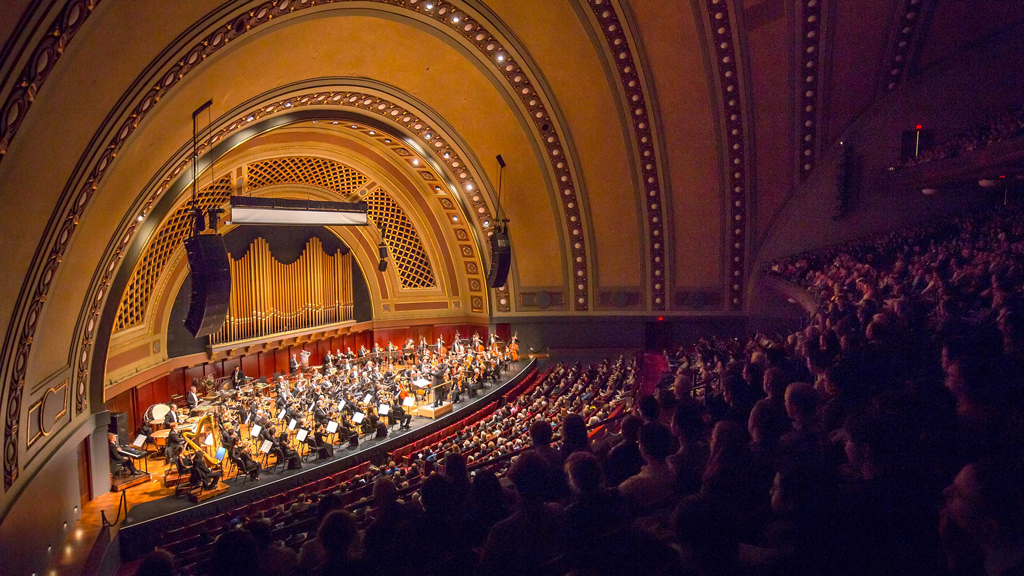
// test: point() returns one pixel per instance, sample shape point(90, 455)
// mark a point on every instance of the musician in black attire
point(285, 452)
point(319, 414)
point(172, 416)
point(191, 398)
point(398, 415)
point(237, 378)
point(293, 365)
point(245, 462)
point(439, 388)
point(201, 473)
point(175, 442)
point(116, 456)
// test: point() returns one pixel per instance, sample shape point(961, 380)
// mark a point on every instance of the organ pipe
point(268, 297)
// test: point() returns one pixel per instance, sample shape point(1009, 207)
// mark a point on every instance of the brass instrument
point(205, 424)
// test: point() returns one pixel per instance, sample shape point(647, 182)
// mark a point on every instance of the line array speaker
point(119, 426)
point(211, 284)
point(501, 259)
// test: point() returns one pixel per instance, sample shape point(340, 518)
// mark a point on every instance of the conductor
point(439, 387)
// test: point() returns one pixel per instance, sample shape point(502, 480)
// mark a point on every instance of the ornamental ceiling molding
point(736, 127)
point(444, 16)
point(810, 59)
point(43, 57)
point(905, 39)
point(628, 64)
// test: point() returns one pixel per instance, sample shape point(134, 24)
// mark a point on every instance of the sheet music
point(300, 436)
point(341, 405)
point(280, 415)
point(265, 447)
point(291, 425)
point(421, 383)
point(139, 441)
point(367, 398)
point(409, 401)
point(383, 409)
point(358, 418)
point(256, 429)
point(332, 427)
point(209, 440)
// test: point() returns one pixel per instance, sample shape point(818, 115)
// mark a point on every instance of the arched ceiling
point(650, 144)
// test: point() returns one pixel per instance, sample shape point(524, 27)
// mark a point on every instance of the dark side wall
point(948, 98)
point(286, 245)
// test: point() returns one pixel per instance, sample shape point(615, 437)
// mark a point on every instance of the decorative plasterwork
point(402, 240)
point(624, 54)
point(40, 64)
point(322, 172)
point(902, 44)
point(47, 411)
point(734, 119)
point(808, 85)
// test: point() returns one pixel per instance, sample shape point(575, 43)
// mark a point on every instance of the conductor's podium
point(429, 411)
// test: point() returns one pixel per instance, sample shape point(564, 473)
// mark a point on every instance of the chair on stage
point(186, 479)
point(240, 468)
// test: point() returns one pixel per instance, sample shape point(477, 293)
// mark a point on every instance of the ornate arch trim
point(628, 64)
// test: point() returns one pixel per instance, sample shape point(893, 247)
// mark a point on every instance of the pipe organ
point(268, 297)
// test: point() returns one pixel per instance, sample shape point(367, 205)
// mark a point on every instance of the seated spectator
point(275, 558)
point(655, 484)
point(692, 456)
point(984, 515)
point(312, 553)
point(574, 436)
point(340, 538)
point(534, 533)
point(236, 554)
point(488, 505)
point(707, 538)
point(594, 510)
point(650, 408)
point(625, 460)
point(159, 562)
point(540, 437)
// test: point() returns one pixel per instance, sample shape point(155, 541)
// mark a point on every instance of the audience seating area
point(1002, 127)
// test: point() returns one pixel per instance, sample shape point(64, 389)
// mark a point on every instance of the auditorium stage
point(146, 520)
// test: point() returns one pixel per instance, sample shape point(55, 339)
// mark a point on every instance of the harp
point(203, 427)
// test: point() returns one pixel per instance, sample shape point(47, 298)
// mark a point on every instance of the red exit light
point(918, 126)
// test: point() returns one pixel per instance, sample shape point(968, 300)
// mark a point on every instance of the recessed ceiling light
point(335, 122)
point(140, 217)
point(387, 140)
point(455, 19)
point(415, 161)
point(372, 133)
point(354, 126)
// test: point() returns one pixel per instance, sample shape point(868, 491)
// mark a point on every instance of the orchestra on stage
point(241, 422)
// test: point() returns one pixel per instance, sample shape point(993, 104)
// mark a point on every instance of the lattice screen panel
point(404, 245)
point(171, 233)
point(320, 172)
